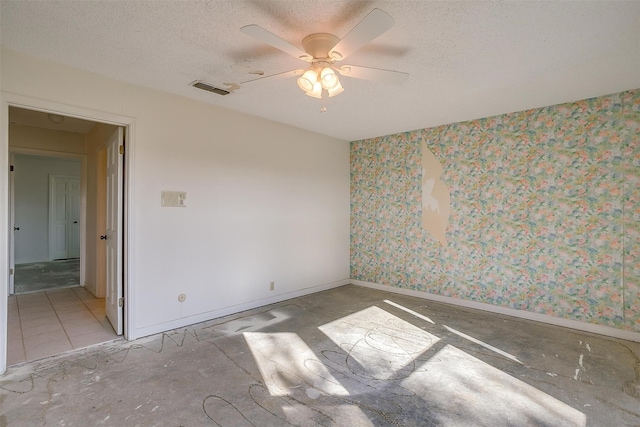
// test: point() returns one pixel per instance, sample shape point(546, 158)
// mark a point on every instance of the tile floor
point(42, 324)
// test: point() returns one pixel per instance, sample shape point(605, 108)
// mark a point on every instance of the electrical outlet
point(182, 297)
point(272, 285)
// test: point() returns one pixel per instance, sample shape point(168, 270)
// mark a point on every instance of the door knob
point(75, 222)
point(16, 228)
point(103, 237)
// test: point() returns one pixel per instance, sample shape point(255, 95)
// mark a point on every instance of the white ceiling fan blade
point(278, 76)
point(373, 25)
point(395, 78)
point(271, 39)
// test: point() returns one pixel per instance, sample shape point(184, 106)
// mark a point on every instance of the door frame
point(128, 123)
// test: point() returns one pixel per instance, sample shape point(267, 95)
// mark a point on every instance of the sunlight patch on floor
point(286, 363)
point(483, 344)
point(408, 310)
point(378, 344)
point(479, 391)
point(253, 323)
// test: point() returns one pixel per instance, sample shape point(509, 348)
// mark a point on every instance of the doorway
point(46, 232)
point(54, 318)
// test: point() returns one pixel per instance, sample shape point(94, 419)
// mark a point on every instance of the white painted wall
point(32, 203)
point(265, 202)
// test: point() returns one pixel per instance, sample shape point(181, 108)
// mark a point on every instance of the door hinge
point(11, 168)
point(122, 149)
point(120, 302)
point(10, 271)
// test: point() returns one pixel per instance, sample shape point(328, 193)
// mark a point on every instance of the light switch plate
point(174, 199)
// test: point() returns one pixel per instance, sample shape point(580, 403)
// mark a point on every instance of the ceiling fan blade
point(373, 25)
point(271, 39)
point(286, 74)
point(395, 78)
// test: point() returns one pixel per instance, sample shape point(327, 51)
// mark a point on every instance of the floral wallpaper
point(544, 211)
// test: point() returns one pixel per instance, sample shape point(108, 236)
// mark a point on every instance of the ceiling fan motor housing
point(319, 45)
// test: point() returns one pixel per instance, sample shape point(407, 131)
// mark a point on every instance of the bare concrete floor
point(346, 357)
point(42, 276)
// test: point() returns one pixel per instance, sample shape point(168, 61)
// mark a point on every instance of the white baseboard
point(210, 315)
point(544, 318)
point(91, 288)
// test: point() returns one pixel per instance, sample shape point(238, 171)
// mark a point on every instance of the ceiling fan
point(323, 51)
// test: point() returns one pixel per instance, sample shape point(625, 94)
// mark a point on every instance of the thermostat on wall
point(174, 199)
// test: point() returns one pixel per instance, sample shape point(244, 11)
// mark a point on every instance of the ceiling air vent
point(209, 88)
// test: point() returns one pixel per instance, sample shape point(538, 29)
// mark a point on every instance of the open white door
point(113, 234)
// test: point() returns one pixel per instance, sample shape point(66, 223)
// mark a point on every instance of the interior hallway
point(42, 324)
point(350, 356)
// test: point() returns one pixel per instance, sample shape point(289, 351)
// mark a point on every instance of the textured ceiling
point(466, 60)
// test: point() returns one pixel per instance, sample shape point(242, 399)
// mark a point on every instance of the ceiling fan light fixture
point(329, 78)
point(316, 92)
point(307, 80)
point(337, 89)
